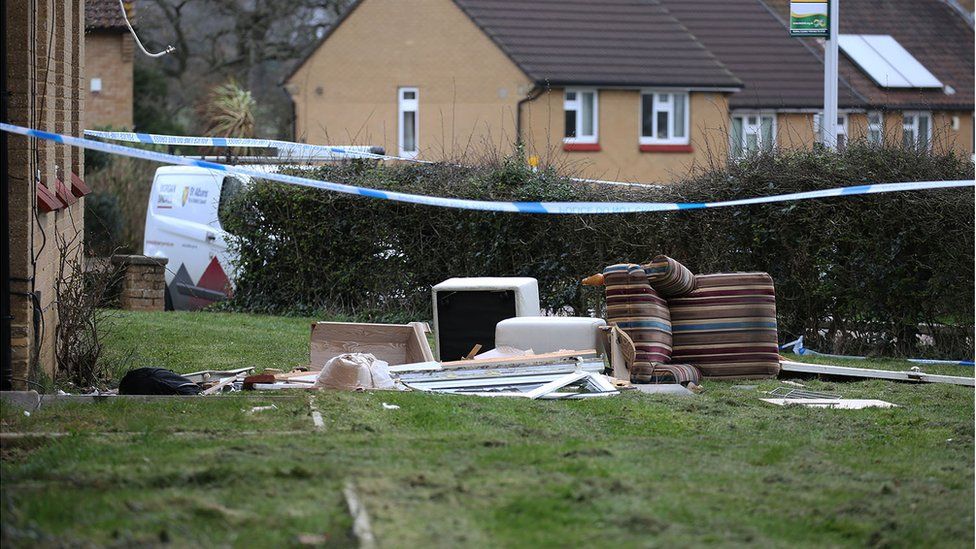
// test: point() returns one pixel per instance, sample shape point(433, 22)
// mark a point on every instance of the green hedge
point(867, 269)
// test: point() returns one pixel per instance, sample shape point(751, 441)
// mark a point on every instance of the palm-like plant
point(229, 111)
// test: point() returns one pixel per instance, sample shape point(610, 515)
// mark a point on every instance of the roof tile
point(610, 42)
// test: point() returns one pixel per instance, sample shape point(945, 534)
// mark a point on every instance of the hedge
point(862, 274)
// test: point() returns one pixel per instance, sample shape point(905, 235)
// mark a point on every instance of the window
point(229, 190)
point(664, 118)
point(96, 85)
point(840, 129)
point(407, 121)
point(753, 132)
point(875, 127)
point(582, 118)
point(917, 127)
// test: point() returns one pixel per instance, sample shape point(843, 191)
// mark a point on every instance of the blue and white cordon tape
point(285, 148)
point(800, 350)
point(579, 208)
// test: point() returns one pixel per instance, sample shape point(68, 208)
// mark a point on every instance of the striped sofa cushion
point(640, 312)
point(727, 326)
point(668, 277)
point(664, 373)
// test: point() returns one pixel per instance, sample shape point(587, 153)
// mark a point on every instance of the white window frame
point(877, 127)
point(404, 106)
point(914, 126)
point(839, 130)
point(576, 104)
point(757, 129)
point(663, 107)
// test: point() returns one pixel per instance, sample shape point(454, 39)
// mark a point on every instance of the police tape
point(578, 208)
point(288, 147)
point(799, 350)
point(291, 148)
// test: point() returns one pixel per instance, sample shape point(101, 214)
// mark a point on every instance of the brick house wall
point(109, 60)
point(44, 52)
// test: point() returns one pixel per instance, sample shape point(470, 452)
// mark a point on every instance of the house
point(43, 75)
point(623, 89)
point(108, 65)
point(875, 102)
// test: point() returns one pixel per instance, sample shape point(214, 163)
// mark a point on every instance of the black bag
point(156, 381)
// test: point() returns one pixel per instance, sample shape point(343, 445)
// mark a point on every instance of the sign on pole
point(809, 18)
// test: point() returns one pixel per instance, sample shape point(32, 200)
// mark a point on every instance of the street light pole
point(828, 122)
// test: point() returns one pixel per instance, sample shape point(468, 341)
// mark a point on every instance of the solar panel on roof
point(886, 61)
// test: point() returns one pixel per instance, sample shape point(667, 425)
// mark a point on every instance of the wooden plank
point(559, 356)
point(220, 385)
point(825, 369)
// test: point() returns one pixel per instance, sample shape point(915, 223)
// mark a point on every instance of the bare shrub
point(83, 287)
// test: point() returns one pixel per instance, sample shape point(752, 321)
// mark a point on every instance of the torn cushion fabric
point(727, 326)
point(669, 277)
point(641, 313)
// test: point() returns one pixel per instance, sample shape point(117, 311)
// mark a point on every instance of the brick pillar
point(143, 282)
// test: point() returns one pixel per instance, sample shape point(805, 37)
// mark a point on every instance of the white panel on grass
point(886, 61)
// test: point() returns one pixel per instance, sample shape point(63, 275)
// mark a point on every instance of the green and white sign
point(809, 18)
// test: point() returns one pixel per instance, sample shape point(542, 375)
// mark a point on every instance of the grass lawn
point(721, 468)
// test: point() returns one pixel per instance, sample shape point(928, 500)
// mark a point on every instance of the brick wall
point(44, 52)
point(143, 282)
point(108, 58)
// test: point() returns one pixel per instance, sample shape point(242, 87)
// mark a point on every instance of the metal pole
point(828, 122)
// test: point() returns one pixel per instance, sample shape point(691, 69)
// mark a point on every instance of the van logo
point(186, 194)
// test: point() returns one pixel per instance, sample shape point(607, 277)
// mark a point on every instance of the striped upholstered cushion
point(668, 277)
point(727, 326)
point(664, 373)
point(643, 315)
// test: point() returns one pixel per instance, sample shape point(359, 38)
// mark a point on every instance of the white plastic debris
point(26, 413)
point(355, 371)
point(838, 403)
point(390, 406)
point(263, 408)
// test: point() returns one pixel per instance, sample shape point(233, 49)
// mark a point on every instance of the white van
point(183, 224)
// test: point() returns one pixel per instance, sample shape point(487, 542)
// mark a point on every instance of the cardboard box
point(394, 343)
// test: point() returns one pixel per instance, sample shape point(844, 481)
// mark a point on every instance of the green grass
point(721, 468)
point(187, 342)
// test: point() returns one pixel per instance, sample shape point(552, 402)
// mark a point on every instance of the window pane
point(737, 136)
point(752, 120)
point(679, 115)
point(664, 97)
point(751, 142)
point(923, 131)
point(874, 118)
point(410, 131)
point(908, 138)
point(409, 95)
point(874, 137)
point(662, 124)
point(767, 132)
point(647, 115)
point(570, 123)
point(570, 96)
point(587, 115)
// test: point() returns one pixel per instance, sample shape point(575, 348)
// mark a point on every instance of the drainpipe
point(6, 373)
point(533, 94)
